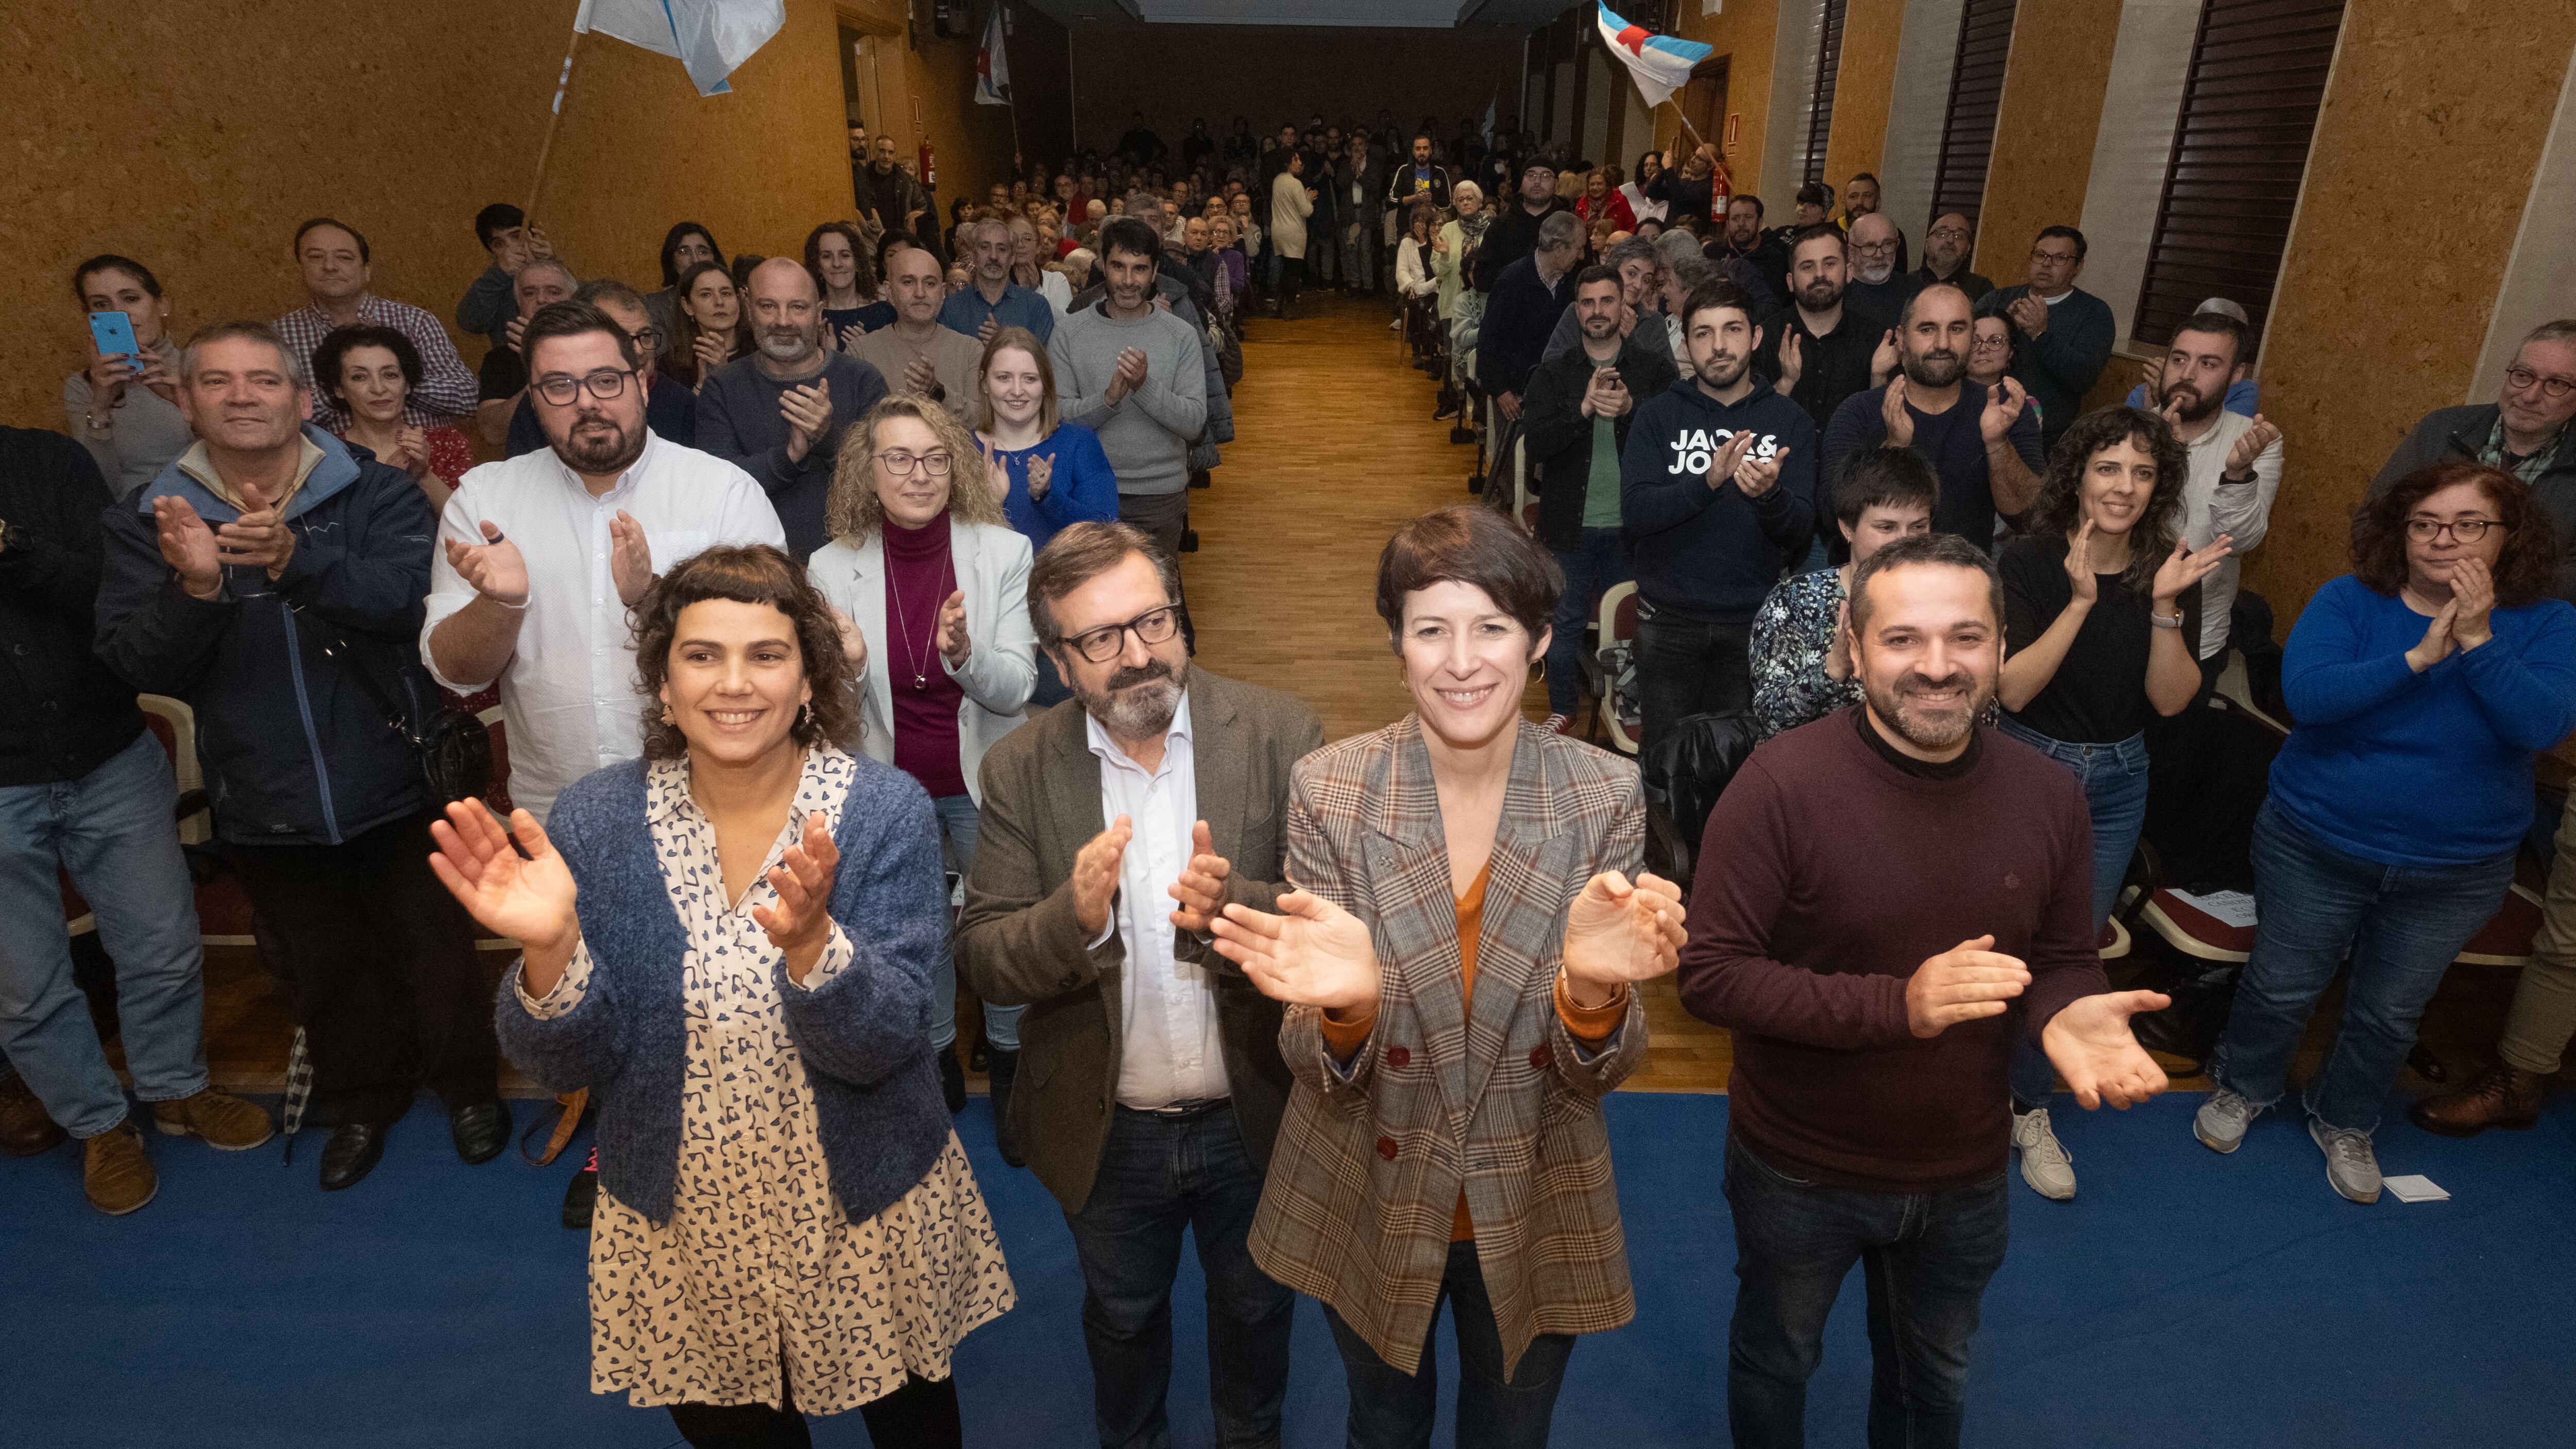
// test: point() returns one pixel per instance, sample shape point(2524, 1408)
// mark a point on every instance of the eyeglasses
point(650, 339)
point(1101, 645)
point(2466, 530)
point(1948, 233)
point(562, 390)
point(1876, 248)
point(898, 464)
point(2553, 387)
point(2054, 258)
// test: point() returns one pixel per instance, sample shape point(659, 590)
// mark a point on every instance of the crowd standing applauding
point(831, 604)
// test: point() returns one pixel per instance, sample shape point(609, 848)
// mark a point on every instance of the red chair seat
point(2196, 932)
point(2505, 940)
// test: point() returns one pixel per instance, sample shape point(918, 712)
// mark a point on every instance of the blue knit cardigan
point(868, 1060)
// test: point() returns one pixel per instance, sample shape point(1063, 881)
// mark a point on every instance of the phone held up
point(114, 334)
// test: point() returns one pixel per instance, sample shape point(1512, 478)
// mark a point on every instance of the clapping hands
point(1617, 932)
point(800, 925)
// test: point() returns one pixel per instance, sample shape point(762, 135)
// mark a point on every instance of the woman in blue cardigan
point(2424, 682)
point(730, 942)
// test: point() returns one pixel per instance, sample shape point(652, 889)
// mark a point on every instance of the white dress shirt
point(2243, 511)
point(568, 695)
point(1167, 1007)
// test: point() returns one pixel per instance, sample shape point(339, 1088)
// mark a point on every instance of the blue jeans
point(2114, 777)
point(1925, 1259)
point(1391, 1409)
point(111, 830)
point(1591, 567)
point(2402, 925)
point(957, 831)
point(1158, 1176)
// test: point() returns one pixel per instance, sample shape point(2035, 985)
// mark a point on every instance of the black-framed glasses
point(899, 464)
point(2466, 530)
point(648, 338)
point(563, 390)
point(2060, 258)
point(1948, 233)
point(1153, 626)
point(2553, 387)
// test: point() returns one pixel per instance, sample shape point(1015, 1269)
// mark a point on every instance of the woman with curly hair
point(730, 941)
point(2101, 608)
point(845, 272)
point(2424, 681)
point(932, 585)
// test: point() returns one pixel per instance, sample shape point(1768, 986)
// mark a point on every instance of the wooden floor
point(1334, 446)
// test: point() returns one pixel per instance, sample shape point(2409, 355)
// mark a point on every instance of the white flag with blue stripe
point(710, 38)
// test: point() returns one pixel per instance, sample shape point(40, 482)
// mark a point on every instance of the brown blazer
point(1370, 1165)
point(1018, 942)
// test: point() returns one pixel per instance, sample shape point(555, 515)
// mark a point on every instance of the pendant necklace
point(903, 629)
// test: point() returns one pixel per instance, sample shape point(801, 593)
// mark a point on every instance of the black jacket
point(1831, 367)
point(1559, 436)
point(1769, 259)
point(62, 714)
point(1401, 192)
point(1512, 237)
point(1518, 319)
point(1966, 281)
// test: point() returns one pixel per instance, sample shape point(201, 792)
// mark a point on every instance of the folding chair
point(1617, 624)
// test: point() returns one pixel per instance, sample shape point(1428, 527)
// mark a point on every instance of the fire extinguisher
point(929, 168)
point(1718, 193)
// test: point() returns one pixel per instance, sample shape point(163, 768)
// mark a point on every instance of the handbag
point(454, 750)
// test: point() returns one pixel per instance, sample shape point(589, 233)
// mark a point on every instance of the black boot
point(1006, 1137)
point(952, 1080)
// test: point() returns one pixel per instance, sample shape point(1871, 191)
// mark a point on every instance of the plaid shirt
point(2531, 466)
point(447, 388)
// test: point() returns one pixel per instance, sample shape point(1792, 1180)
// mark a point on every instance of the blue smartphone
point(114, 333)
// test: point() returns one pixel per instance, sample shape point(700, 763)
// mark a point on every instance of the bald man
point(1878, 283)
point(916, 354)
point(1945, 256)
point(779, 412)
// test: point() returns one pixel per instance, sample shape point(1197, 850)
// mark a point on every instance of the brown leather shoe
point(25, 1130)
point(2500, 1096)
point(225, 1121)
point(116, 1172)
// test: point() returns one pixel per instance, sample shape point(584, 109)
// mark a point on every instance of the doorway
point(1703, 104)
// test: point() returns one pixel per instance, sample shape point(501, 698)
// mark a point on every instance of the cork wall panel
point(196, 137)
point(1862, 88)
point(2415, 185)
point(2044, 127)
point(1744, 35)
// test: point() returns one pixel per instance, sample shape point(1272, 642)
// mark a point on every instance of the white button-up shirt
point(1173, 1052)
point(568, 695)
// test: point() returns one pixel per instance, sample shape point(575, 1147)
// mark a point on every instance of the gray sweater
point(1146, 434)
point(739, 421)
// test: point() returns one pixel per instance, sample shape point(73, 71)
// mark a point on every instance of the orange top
point(1590, 1025)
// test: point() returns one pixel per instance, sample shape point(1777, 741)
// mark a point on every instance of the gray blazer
point(1018, 942)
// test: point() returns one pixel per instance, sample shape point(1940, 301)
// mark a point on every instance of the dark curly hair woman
point(2425, 682)
point(2101, 608)
point(730, 943)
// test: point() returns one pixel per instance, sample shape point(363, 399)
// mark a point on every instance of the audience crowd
point(827, 608)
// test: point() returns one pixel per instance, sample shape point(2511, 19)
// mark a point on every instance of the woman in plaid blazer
point(1457, 962)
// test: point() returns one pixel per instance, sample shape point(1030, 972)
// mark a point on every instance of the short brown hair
point(1469, 544)
point(2526, 568)
point(1081, 552)
point(754, 573)
point(1026, 341)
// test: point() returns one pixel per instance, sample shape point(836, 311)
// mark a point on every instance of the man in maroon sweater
point(1876, 892)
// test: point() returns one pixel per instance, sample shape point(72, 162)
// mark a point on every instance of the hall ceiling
point(1405, 14)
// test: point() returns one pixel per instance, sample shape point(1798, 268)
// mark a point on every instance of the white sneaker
point(2045, 1163)
point(2351, 1168)
point(1395, 326)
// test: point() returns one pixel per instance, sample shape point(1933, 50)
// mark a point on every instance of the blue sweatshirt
point(2419, 769)
point(1712, 554)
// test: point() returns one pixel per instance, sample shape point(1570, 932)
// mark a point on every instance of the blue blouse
point(1081, 486)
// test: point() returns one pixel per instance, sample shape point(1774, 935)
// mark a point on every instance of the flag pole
point(554, 118)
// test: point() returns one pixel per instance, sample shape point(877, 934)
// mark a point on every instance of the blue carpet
point(2184, 1299)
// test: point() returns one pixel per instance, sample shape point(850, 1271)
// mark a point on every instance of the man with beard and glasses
point(1877, 283)
point(1819, 350)
point(540, 556)
point(780, 412)
point(2067, 332)
point(1945, 258)
point(1874, 975)
point(1717, 492)
point(1983, 443)
point(1115, 827)
point(2235, 464)
point(1860, 198)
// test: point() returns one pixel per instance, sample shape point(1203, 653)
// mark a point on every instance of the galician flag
point(992, 70)
point(1661, 64)
point(710, 38)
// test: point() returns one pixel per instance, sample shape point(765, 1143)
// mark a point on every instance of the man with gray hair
point(780, 412)
point(992, 301)
point(1528, 297)
point(502, 381)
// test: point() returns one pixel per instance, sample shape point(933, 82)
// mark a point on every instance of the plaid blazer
point(1492, 1097)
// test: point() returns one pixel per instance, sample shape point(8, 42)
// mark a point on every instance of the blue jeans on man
point(1391, 1409)
point(111, 831)
point(1925, 1260)
point(2402, 925)
point(958, 826)
point(1161, 1173)
point(1599, 560)
point(2114, 777)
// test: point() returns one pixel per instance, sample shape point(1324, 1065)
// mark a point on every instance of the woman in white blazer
point(1291, 202)
point(931, 583)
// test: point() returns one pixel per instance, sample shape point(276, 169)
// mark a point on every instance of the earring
point(666, 715)
point(805, 715)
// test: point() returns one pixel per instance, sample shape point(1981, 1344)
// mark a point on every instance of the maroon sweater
point(1826, 877)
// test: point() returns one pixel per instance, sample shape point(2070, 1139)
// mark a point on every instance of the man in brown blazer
point(1150, 1084)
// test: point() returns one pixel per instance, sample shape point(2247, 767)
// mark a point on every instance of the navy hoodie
point(295, 750)
point(1712, 554)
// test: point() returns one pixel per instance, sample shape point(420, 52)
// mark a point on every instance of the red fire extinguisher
point(1718, 193)
point(929, 168)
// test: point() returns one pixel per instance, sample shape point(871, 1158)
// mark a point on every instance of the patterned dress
point(758, 1267)
point(1790, 636)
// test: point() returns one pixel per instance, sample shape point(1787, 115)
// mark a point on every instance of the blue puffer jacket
point(295, 750)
